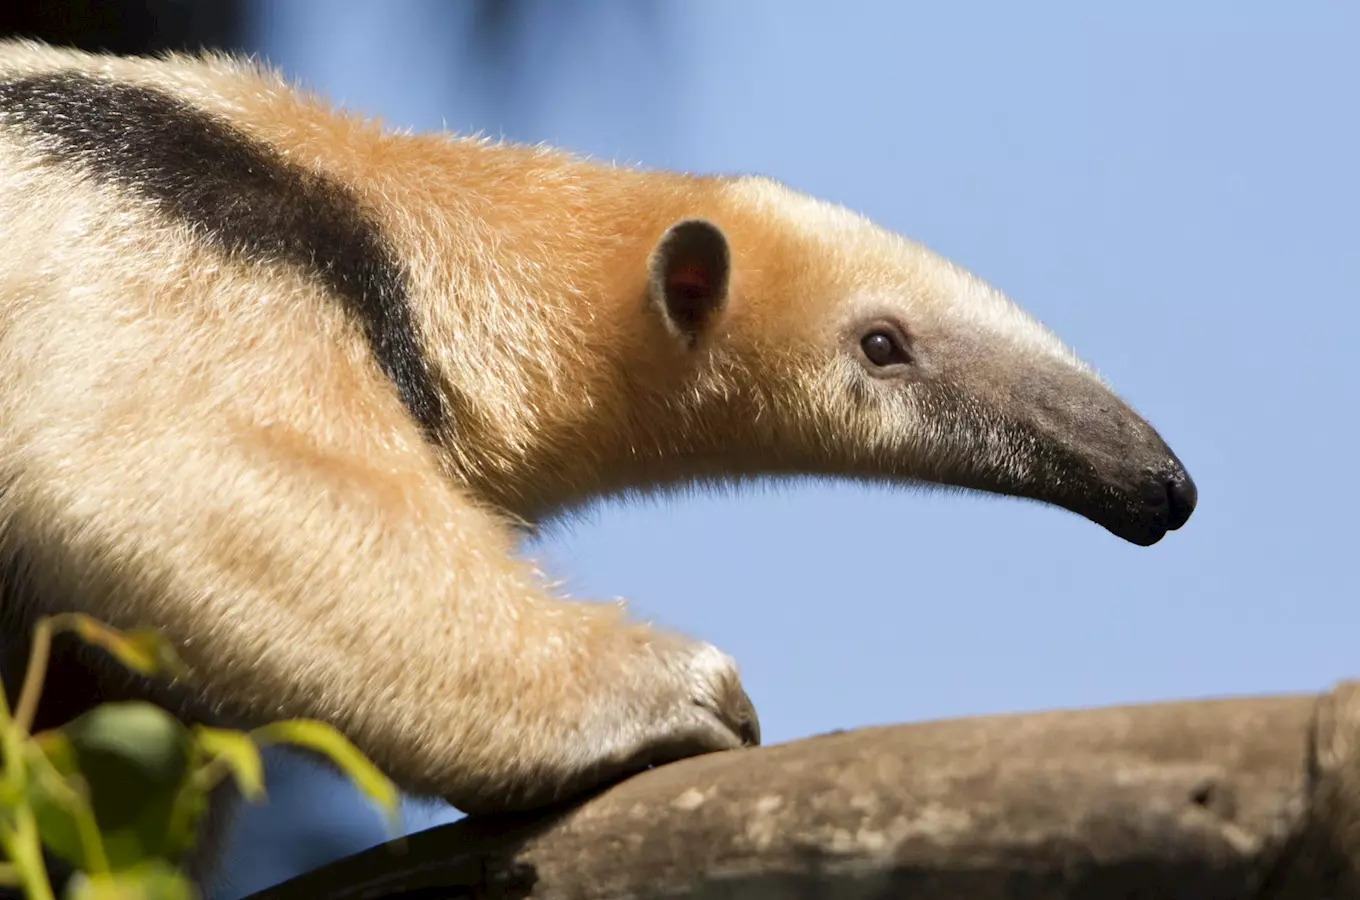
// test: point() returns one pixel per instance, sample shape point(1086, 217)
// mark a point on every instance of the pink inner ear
point(690, 279)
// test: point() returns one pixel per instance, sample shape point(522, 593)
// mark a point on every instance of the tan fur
point(182, 453)
point(309, 551)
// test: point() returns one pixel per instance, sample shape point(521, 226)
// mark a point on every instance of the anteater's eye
point(883, 349)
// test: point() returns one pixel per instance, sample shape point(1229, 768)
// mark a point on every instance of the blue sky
point(1172, 187)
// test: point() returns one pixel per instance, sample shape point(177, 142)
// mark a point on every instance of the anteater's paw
point(652, 698)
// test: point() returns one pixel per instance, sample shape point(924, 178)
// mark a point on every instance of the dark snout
point(1098, 458)
point(1169, 499)
point(1061, 437)
point(1181, 495)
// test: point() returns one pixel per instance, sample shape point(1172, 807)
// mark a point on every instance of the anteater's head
point(809, 341)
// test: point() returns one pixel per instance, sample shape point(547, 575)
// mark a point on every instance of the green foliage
point(119, 792)
point(319, 737)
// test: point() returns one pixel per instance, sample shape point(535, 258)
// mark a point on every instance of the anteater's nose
point(1181, 495)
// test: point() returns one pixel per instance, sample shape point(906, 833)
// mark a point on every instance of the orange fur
point(207, 445)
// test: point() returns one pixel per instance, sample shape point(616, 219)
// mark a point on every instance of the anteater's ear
point(690, 268)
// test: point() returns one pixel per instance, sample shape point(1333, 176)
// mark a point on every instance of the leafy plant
point(119, 792)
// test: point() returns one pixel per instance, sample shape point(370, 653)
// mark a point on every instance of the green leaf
point(142, 650)
point(56, 794)
point(322, 738)
point(238, 753)
point(13, 790)
point(134, 759)
point(152, 880)
point(56, 746)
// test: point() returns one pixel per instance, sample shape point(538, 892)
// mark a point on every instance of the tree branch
point(1243, 798)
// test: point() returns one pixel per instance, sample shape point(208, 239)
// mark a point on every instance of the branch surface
point(1242, 798)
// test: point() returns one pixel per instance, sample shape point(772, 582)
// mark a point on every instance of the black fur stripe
point(238, 193)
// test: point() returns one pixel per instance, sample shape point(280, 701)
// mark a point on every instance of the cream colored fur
point(177, 451)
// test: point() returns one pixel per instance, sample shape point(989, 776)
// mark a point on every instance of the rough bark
point(1254, 797)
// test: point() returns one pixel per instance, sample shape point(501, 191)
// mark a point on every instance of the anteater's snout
point(1170, 494)
point(1181, 495)
point(1141, 496)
